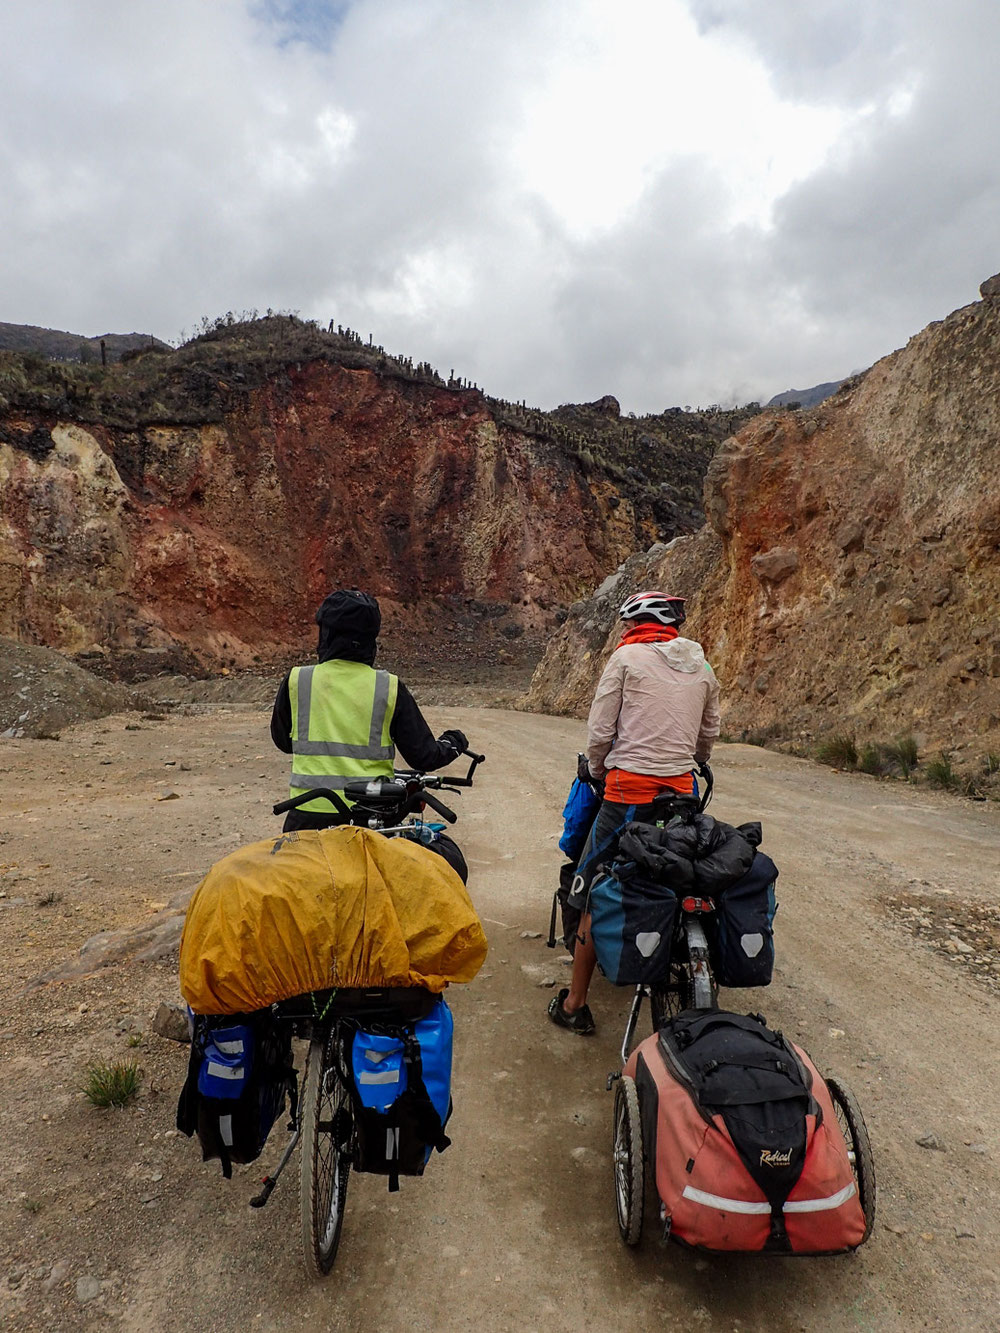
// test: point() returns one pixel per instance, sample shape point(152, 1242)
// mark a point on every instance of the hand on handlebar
point(458, 740)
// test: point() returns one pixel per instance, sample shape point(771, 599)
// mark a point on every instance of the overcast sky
point(674, 201)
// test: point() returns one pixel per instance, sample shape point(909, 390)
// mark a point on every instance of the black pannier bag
point(633, 920)
point(240, 1074)
point(741, 944)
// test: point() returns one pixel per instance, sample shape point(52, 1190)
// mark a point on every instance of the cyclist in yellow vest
point(342, 720)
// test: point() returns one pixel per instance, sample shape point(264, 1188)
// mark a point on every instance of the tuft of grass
point(113, 1083)
point(991, 764)
point(31, 1205)
point(904, 754)
point(875, 761)
point(939, 773)
point(49, 900)
point(135, 1039)
point(838, 752)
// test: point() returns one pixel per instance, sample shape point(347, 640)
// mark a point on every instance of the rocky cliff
point(204, 500)
point(848, 577)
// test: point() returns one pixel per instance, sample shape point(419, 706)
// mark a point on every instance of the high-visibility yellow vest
point(341, 714)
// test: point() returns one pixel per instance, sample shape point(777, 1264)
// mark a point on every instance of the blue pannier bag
point(240, 1073)
point(227, 1062)
point(632, 926)
point(579, 813)
point(402, 1087)
point(742, 943)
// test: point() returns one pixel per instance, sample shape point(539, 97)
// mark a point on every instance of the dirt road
point(109, 1219)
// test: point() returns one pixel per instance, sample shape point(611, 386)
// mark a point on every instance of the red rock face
point(224, 537)
point(848, 578)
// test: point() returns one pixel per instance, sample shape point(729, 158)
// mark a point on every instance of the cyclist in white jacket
point(655, 715)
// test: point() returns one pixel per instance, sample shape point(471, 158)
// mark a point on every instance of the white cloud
point(675, 203)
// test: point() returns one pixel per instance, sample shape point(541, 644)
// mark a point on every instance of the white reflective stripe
point(391, 1144)
point(821, 1205)
point(727, 1205)
point(226, 1130)
point(224, 1071)
point(229, 1047)
point(387, 1076)
point(744, 1206)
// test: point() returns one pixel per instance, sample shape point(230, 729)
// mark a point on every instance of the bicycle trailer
point(744, 1146)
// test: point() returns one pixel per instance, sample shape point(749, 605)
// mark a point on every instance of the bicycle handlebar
point(414, 788)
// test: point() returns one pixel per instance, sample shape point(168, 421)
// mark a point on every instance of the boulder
point(776, 564)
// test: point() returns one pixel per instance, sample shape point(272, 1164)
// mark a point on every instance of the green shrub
point(939, 773)
point(838, 752)
point(875, 760)
point(112, 1084)
point(991, 764)
point(903, 754)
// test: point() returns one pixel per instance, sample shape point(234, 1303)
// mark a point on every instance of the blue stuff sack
point(402, 1084)
point(742, 944)
point(632, 925)
point(227, 1062)
point(579, 813)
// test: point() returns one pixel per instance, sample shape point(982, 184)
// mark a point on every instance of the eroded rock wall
point(848, 578)
point(222, 538)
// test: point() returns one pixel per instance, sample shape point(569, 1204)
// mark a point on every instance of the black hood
point(349, 622)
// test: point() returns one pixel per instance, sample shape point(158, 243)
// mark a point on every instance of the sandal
point(581, 1021)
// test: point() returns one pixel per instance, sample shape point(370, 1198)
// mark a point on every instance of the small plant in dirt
point(940, 773)
point(991, 765)
point(135, 1039)
point(903, 754)
point(112, 1083)
point(838, 752)
point(31, 1205)
point(49, 900)
point(875, 761)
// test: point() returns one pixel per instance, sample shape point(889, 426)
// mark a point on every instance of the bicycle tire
point(859, 1148)
point(627, 1155)
point(670, 999)
point(327, 1146)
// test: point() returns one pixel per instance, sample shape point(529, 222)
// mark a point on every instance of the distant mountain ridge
point(58, 345)
point(806, 397)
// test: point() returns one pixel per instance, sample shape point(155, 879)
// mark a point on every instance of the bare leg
point(584, 962)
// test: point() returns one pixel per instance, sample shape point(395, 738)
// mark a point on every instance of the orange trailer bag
point(742, 1138)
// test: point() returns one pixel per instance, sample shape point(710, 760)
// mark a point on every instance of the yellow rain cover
point(344, 907)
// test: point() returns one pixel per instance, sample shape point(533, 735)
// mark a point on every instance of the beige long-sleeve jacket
point(657, 704)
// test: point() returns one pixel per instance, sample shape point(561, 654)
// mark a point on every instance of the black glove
point(456, 739)
point(583, 769)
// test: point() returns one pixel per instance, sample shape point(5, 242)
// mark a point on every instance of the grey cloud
point(171, 162)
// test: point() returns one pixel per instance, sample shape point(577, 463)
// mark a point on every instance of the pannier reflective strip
point(388, 1076)
point(224, 1071)
point(226, 1130)
point(821, 1205)
point(727, 1205)
point(229, 1047)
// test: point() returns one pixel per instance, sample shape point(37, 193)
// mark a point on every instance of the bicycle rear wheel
point(327, 1147)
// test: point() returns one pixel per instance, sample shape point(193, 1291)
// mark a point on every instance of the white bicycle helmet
point(653, 606)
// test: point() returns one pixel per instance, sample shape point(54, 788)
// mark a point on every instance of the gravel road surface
point(108, 1219)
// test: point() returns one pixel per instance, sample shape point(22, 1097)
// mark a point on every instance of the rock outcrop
point(848, 577)
point(205, 500)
